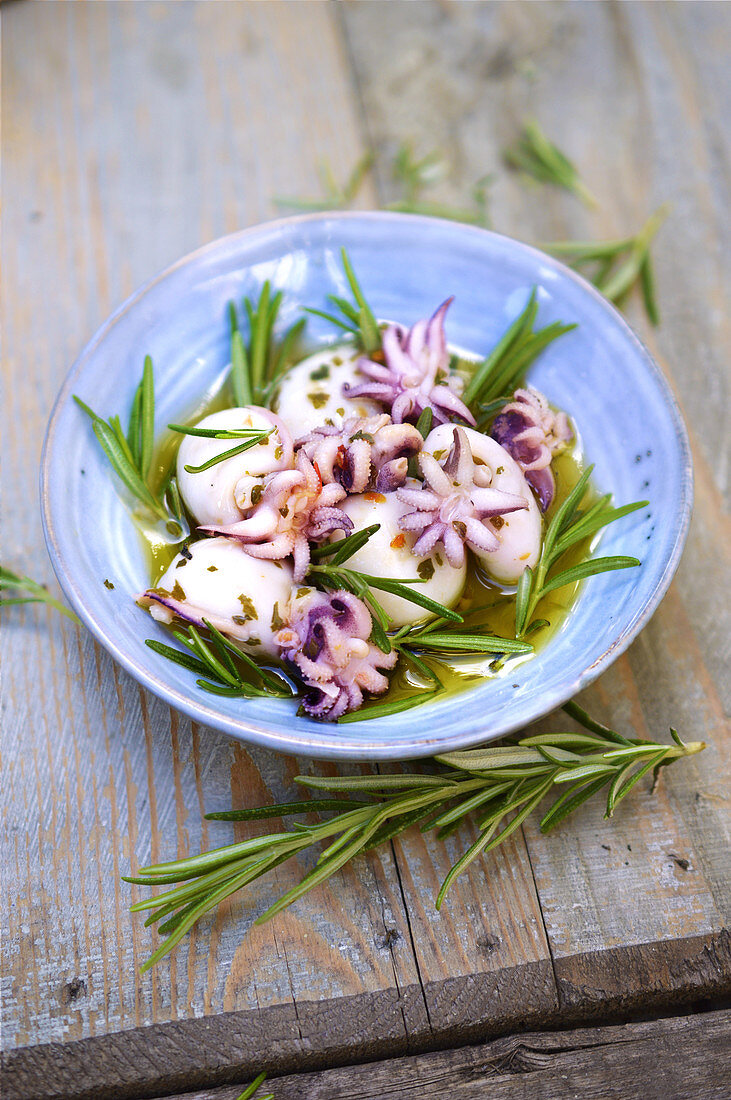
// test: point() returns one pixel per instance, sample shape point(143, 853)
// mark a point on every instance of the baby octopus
point(414, 374)
point(326, 640)
point(452, 503)
point(367, 452)
point(293, 509)
point(532, 433)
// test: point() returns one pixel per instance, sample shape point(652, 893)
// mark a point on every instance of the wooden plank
point(136, 126)
point(113, 107)
point(667, 1059)
point(132, 135)
point(647, 127)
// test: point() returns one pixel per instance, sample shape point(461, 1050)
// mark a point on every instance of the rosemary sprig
point(217, 433)
point(31, 592)
point(255, 438)
point(356, 317)
point(616, 266)
point(336, 196)
point(255, 1085)
point(501, 786)
point(361, 584)
point(219, 664)
point(515, 351)
point(256, 367)
point(537, 157)
point(415, 175)
point(130, 452)
point(343, 549)
point(568, 527)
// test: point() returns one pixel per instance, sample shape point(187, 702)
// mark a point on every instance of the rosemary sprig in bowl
point(499, 786)
point(569, 526)
point(130, 453)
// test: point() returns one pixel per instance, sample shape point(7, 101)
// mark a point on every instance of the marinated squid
point(364, 516)
point(223, 492)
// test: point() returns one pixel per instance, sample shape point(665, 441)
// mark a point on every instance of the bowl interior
point(599, 373)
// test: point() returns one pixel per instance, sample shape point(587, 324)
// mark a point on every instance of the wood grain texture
point(133, 133)
point(645, 128)
point(672, 1059)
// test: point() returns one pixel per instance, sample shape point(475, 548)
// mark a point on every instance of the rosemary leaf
point(473, 643)
point(537, 157)
point(215, 433)
point(484, 371)
point(147, 419)
point(124, 469)
point(193, 664)
point(342, 549)
point(382, 710)
point(13, 582)
point(335, 197)
point(133, 429)
point(368, 331)
point(252, 1088)
point(284, 809)
point(254, 441)
point(240, 379)
point(352, 329)
point(588, 569)
point(396, 782)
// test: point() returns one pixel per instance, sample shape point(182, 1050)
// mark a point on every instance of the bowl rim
point(331, 748)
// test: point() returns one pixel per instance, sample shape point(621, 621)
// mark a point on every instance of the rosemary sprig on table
point(418, 174)
point(30, 591)
point(537, 157)
point(356, 317)
point(335, 196)
point(219, 663)
point(130, 453)
point(617, 266)
point(257, 367)
point(414, 175)
point(505, 366)
point(568, 527)
point(501, 786)
point(256, 1084)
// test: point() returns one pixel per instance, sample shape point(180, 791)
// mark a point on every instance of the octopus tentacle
point(294, 509)
point(415, 375)
point(326, 642)
point(355, 455)
point(453, 504)
point(530, 431)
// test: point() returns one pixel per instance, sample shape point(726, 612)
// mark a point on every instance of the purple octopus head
point(414, 374)
point(452, 503)
point(533, 433)
point(326, 641)
point(367, 452)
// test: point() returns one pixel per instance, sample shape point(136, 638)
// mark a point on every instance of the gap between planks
point(223, 1049)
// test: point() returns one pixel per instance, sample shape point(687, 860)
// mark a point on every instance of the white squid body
point(519, 533)
point(388, 554)
point(311, 393)
point(222, 494)
point(245, 598)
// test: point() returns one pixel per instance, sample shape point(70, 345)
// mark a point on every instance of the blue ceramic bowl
point(600, 373)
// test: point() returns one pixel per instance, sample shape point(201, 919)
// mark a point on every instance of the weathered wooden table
point(132, 134)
